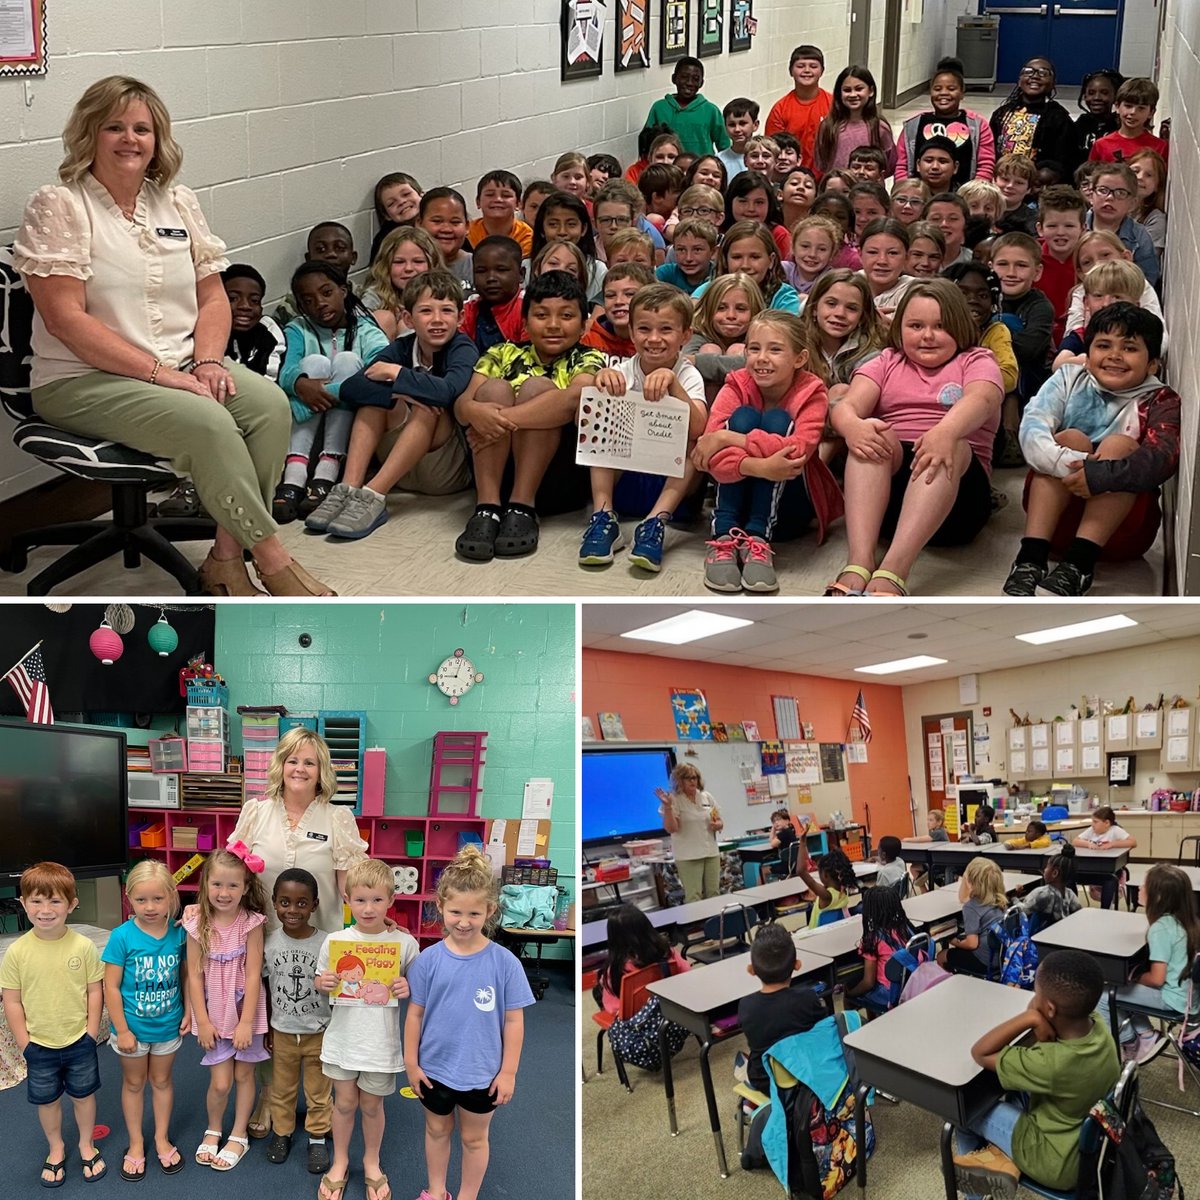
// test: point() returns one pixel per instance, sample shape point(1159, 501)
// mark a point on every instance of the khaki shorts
point(440, 472)
point(375, 1083)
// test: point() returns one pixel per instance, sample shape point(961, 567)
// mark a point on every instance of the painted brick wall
point(378, 658)
point(289, 110)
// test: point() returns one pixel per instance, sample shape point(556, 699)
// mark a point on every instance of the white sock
point(295, 472)
point(328, 468)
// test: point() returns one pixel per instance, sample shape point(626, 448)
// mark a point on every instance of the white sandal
point(211, 1151)
point(227, 1156)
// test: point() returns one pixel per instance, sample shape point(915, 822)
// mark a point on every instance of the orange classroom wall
point(638, 686)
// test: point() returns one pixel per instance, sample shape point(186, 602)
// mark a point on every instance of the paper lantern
point(162, 638)
point(106, 645)
point(120, 617)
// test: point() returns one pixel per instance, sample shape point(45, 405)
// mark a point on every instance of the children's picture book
point(628, 433)
point(587, 729)
point(735, 731)
point(719, 732)
point(751, 731)
point(611, 727)
point(689, 709)
point(365, 971)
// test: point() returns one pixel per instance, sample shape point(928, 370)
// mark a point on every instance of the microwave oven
point(153, 791)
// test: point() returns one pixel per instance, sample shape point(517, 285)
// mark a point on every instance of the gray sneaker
point(758, 574)
point(362, 514)
point(329, 508)
point(722, 571)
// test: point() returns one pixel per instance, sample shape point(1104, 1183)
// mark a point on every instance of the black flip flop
point(90, 1164)
point(60, 1170)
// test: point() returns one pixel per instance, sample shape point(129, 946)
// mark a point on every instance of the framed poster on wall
point(710, 27)
point(742, 25)
point(674, 22)
point(633, 35)
point(582, 30)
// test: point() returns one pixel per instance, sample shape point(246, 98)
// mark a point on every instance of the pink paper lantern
point(106, 645)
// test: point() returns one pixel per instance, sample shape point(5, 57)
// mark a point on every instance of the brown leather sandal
point(226, 577)
point(293, 580)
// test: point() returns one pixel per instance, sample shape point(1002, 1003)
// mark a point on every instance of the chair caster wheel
point(14, 561)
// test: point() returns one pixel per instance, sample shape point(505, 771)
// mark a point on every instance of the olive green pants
point(701, 877)
point(233, 452)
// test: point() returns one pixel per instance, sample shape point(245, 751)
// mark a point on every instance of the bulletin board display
point(22, 38)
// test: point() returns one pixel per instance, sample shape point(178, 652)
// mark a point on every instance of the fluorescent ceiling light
point(1061, 633)
point(687, 627)
point(916, 663)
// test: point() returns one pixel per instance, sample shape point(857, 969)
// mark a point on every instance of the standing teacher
point(131, 326)
point(691, 817)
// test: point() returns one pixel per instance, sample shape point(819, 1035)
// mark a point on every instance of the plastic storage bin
point(154, 837)
point(414, 843)
point(167, 755)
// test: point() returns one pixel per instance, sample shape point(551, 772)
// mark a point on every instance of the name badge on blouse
point(178, 234)
point(318, 837)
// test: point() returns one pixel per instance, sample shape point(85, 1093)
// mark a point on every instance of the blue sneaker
point(600, 539)
point(648, 544)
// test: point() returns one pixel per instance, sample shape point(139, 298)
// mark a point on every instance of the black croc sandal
point(279, 1147)
point(285, 504)
point(517, 535)
point(315, 497)
point(477, 542)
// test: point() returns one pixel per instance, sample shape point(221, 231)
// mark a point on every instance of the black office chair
point(786, 865)
point(1194, 861)
point(131, 474)
point(730, 929)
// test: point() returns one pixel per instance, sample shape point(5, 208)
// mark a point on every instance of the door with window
point(1074, 34)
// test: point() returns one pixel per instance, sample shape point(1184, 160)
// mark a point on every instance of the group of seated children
point(840, 349)
point(253, 999)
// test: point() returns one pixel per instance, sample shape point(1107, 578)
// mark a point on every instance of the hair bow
point(252, 861)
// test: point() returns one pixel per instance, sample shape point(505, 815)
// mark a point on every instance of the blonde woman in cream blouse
point(132, 323)
point(691, 817)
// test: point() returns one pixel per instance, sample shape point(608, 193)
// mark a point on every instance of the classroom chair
point(830, 915)
point(1176, 1028)
point(898, 968)
point(730, 929)
point(784, 867)
point(633, 997)
point(1194, 860)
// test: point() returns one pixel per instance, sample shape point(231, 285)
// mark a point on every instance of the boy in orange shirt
point(610, 331)
point(497, 196)
point(806, 106)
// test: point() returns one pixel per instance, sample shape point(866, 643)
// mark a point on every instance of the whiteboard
point(719, 764)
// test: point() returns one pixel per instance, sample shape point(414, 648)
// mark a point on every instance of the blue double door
point(1077, 36)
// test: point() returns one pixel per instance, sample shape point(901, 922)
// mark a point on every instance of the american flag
point(28, 679)
point(859, 717)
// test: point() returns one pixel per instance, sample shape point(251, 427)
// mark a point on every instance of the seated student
point(496, 196)
point(403, 403)
point(762, 153)
point(908, 199)
point(1035, 837)
point(892, 868)
point(331, 340)
point(981, 891)
point(1016, 175)
point(885, 929)
point(1173, 940)
point(697, 121)
point(661, 186)
point(493, 314)
point(1071, 1064)
point(787, 156)
point(517, 404)
point(935, 165)
point(723, 315)
point(697, 201)
point(695, 251)
point(1103, 432)
point(1106, 283)
point(815, 240)
point(926, 250)
point(601, 168)
point(949, 213)
point(831, 887)
point(630, 246)
point(1136, 101)
point(782, 837)
point(1150, 212)
point(870, 202)
point(1096, 248)
point(656, 143)
point(883, 247)
point(397, 201)
point(532, 198)
point(984, 199)
point(564, 216)
point(748, 246)
point(1114, 199)
point(570, 174)
point(1085, 173)
point(919, 423)
point(443, 215)
point(610, 332)
point(778, 1009)
point(797, 194)
point(619, 206)
point(633, 944)
point(751, 197)
point(935, 821)
point(660, 323)
point(840, 181)
point(404, 253)
point(972, 142)
point(1061, 211)
point(760, 446)
point(868, 164)
point(560, 255)
point(1105, 834)
point(1055, 897)
point(741, 123)
point(980, 832)
point(838, 207)
point(331, 242)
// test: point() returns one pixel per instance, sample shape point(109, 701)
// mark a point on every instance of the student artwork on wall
point(742, 25)
point(582, 38)
point(674, 21)
point(633, 35)
point(689, 709)
point(710, 22)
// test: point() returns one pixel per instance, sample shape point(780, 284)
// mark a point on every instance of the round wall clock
point(456, 676)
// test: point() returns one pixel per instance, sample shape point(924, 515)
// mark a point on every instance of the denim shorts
point(73, 1069)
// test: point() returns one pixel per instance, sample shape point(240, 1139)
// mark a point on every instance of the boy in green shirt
point(697, 122)
point(1071, 1065)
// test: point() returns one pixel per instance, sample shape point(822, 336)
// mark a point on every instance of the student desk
point(1091, 866)
point(1014, 881)
point(519, 940)
point(921, 1052)
point(695, 998)
point(1137, 876)
point(1116, 940)
point(933, 908)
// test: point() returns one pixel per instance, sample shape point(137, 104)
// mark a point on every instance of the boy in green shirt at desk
point(1071, 1064)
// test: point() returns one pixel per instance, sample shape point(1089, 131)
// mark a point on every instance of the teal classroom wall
point(378, 658)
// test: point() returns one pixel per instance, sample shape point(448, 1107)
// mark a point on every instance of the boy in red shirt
point(1060, 225)
point(1136, 101)
point(806, 106)
point(610, 331)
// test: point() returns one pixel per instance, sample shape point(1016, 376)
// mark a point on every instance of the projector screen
point(618, 792)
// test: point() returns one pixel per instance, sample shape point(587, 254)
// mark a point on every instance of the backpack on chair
point(1018, 953)
point(635, 1039)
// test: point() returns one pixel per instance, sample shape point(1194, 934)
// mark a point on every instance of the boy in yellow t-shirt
point(52, 981)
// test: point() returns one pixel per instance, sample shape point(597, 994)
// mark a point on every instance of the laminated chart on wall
point(803, 763)
point(787, 718)
point(689, 710)
point(628, 433)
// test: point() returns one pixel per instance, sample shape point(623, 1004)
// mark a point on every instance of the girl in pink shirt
point(918, 423)
point(853, 121)
point(633, 943)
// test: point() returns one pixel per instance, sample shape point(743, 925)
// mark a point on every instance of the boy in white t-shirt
point(362, 1051)
point(1105, 834)
point(660, 324)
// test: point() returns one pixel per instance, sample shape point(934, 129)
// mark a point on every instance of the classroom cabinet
point(1018, 752)
point(1166, 830)
point(1041, 751)
point(1179, 740)
point(1118, 732)
point(1090, 738)
point(1148, 730)
point(1065, 749)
